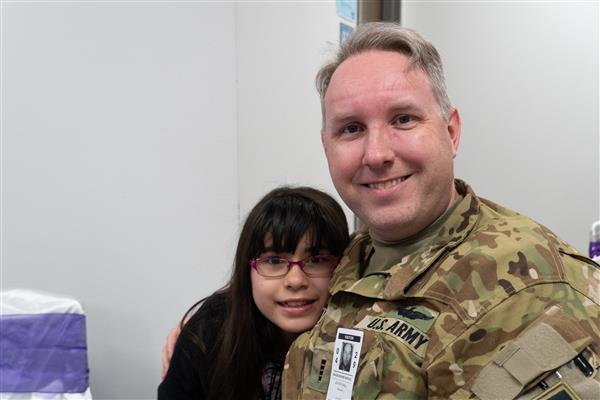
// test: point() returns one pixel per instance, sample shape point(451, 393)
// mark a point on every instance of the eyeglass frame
point(299, 263)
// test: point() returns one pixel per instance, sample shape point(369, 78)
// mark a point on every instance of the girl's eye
point(321, 260)
point(274, 260)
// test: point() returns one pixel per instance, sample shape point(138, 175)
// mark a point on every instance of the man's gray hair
point(387, 36)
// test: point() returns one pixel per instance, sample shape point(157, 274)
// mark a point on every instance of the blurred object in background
point(595, 242)
point(43, 350)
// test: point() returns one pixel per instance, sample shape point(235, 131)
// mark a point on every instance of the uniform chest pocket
point(367, 383)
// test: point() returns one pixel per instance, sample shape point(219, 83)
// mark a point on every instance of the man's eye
point(403, 119)
point(351, 129)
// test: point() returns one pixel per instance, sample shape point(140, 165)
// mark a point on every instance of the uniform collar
point(394, 283)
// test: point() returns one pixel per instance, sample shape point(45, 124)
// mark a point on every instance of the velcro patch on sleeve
point(551, 342)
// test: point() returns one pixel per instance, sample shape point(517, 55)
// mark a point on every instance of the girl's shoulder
point(213, 307)
point(207, 320)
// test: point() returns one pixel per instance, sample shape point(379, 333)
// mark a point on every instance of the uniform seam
point(456, 306)
point(575, 288)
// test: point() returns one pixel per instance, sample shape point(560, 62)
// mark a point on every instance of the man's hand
point(167, 350)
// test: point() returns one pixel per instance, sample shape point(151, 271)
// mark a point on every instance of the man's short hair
point(387, 36)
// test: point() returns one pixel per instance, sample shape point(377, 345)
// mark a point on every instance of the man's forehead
point(394, 80)
point(383, 68)
point(364, 65)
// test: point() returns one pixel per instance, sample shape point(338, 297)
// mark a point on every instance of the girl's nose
point(295, 278)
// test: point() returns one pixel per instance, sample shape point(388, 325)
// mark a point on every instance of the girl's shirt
point(187, 377)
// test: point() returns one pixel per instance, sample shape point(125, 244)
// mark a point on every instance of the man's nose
point(378, 151)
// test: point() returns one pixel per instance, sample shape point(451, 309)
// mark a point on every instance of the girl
point(234, 345)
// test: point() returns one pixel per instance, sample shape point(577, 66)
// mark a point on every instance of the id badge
point(346, 355)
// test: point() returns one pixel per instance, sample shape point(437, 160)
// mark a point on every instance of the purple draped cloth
point(43, 353)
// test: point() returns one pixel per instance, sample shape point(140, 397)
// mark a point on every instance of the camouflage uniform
point(494, 305)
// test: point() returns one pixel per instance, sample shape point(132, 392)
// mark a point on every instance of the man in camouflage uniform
point(455, 296)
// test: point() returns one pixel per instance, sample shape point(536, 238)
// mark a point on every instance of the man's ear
point(323, 140)
point(454, 129)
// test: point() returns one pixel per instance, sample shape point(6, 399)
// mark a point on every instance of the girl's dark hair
point(251, 340)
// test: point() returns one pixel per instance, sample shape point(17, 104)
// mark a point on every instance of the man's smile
point(386, 184)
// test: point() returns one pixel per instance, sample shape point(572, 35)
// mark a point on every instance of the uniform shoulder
point(360, 242)
point(357, 238)
point(505, 253)
point(501, 231)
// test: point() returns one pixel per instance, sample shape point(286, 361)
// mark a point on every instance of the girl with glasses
point(234, 342)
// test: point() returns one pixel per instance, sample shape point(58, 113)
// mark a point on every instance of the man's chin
point(389, 228)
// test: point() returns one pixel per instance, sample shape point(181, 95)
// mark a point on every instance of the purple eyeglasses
point(278, 267)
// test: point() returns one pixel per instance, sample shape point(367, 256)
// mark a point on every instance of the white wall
point(119, 168)
point(281, 46)
point(524, 76)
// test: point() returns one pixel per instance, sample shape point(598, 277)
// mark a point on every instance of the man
point(454, 296)
point(445, 294)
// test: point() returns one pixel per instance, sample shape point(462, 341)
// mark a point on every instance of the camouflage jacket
point(490, 309)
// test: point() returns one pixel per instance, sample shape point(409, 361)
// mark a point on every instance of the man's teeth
point(386, 184)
